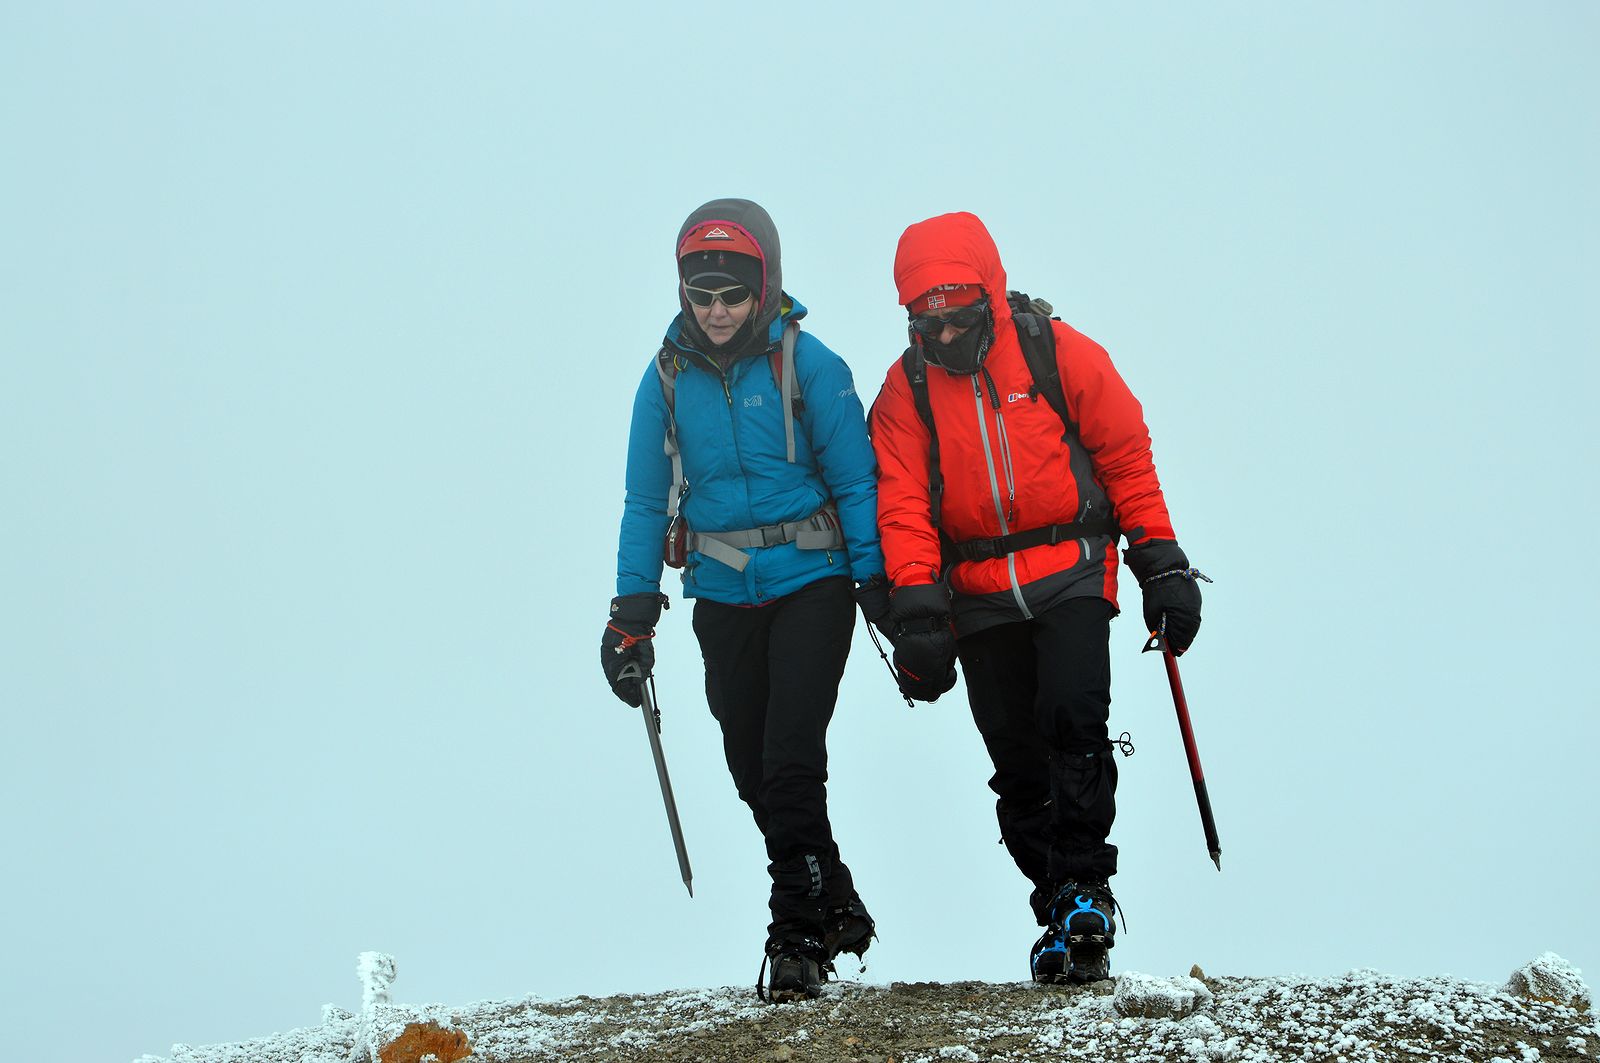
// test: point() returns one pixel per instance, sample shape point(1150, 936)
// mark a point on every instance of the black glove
point(1171, 591)
point(626, 640)
point(924, 641)
point(873, 597)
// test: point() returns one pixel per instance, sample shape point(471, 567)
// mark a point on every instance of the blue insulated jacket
point(731, 439)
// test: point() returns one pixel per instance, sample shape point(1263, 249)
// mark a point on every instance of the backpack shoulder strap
point(916, 370)
point(667, 370)
point(782, 363)
point(1038, 342)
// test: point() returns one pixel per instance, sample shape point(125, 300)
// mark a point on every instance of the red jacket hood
point(950, 249)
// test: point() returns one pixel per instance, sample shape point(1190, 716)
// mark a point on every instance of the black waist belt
point(984, 549)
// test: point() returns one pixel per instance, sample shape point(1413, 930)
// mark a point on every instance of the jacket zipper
point(733, 433)
point(994, 483)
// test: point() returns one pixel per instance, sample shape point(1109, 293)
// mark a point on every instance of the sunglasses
point(730, 297)
point(964, 317)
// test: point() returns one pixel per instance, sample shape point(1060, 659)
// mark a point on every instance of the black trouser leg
point(1041, 693)
point(999, 667)
point(772, 679)
point(1073, 644)
point(839, 886)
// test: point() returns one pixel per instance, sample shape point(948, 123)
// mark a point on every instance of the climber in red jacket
point(999, 519)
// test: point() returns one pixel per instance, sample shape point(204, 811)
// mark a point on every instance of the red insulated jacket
point(1006, 467)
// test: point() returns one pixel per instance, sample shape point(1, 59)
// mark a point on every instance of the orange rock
point(426, 1038)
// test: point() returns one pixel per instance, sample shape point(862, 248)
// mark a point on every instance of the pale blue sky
point(318, 334)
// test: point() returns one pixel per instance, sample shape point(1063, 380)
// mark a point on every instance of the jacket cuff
point(919, 600)
point(641, 609)
point(1158, 555)
point(915, 574)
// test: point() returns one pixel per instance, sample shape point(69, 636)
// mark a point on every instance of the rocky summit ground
point(1361, 1016)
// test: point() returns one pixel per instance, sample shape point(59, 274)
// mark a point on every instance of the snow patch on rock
point(1551, 979)
point(1149, 997)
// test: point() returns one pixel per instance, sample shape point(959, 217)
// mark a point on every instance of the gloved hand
point(626, 640)
point(1171, 591)
point(873, 597)
point(924, 641)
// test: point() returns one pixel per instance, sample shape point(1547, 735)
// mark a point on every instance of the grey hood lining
point(753, 218)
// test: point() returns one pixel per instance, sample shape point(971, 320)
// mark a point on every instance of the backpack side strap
point(789, 385)
point(1038, 342)
point(916, 370)
point(667, 369)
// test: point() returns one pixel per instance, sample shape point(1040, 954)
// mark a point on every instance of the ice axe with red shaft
point(1158, 641)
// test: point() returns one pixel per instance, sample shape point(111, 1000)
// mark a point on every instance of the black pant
point(772, 678)
point(1041, 695)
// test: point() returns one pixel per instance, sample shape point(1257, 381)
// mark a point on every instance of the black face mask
point(963, 355)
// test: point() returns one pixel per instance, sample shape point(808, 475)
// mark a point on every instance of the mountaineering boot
point(1084, 910)
point(847, 929)
point(1049, 956)
point(794, 971)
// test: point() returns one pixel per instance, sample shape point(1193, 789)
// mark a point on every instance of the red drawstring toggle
point(627, 639)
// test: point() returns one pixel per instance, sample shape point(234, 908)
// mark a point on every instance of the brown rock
point(1551, 980)
point(426, 1038)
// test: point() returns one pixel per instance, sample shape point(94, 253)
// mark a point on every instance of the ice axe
point(1158, 641)
point(652, 727)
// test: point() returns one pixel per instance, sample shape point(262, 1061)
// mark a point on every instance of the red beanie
point(943, 295)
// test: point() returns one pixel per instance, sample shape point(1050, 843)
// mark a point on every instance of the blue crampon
point(1082, 917)
point(1049, 957)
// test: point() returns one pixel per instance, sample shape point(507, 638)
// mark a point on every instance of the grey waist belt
point(820, 531)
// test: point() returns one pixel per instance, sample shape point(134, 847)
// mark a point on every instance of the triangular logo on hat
point(715, 234)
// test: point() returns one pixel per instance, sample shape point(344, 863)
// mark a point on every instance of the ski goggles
point(931, 326)
point(730, 297)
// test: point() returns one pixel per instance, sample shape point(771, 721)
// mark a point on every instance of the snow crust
point(1360, 1017)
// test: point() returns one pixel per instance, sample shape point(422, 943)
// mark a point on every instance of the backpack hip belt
point(820, 531)
point(987, 549)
